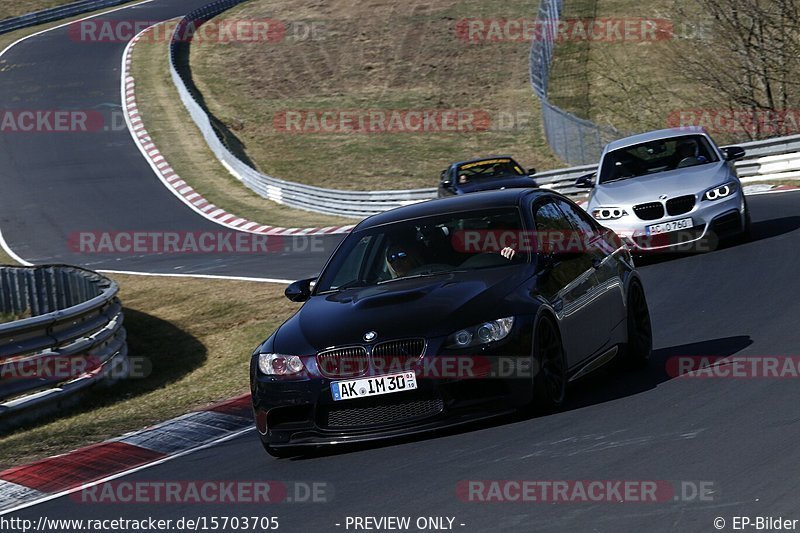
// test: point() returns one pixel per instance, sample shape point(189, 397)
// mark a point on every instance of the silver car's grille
point(680, 205)
point(649, 211)
point(347, 362)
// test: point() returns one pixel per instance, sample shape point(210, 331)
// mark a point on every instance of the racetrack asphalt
point(736, 435)
point(57, 185)
point(739, 435)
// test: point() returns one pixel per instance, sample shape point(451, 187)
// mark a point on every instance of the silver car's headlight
point(608, 213)
point(274, 364)
point(493, 330)
point(722, 191)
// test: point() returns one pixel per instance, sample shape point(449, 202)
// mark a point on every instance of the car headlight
point(491, 331)
point(608, 213)
point(274, 364)
point(722, 191)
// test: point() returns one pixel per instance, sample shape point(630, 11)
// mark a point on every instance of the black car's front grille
point(397, 355)
point(680, 205)
point(347, 362)
point(649, 211)
point(388, 411)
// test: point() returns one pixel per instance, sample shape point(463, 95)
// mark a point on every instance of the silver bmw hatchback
point(669, 189)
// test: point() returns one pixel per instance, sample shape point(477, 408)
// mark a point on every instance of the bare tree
point(749, 57)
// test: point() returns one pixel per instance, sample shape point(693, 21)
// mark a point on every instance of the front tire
point(550, 383)
point(640, 332)
point(747, 232)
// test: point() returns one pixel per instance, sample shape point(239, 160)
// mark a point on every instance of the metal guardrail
point(55, 13)
point(68, 337)
point(360, 204)
point(357, 204)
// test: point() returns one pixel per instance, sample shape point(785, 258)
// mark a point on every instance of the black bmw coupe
point(445, 312)
point(484, 174)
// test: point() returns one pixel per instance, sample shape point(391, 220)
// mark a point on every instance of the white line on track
point(199, 276)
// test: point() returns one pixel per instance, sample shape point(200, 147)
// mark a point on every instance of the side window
point(547, 217)
point(349, 272)
point(577, 217)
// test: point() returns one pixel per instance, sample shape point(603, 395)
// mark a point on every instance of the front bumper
point(302, 412)
point(711, 222)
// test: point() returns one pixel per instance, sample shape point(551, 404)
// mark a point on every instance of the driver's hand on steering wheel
point(508, 252)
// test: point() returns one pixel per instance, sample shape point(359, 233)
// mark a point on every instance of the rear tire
point(637, 350)
point(550, 383)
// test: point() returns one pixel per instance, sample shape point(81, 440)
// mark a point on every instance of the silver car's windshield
point(656, 156)
point(429, 246)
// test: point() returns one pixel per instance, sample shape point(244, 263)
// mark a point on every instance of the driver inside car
point(402, 259)
point(689, 154)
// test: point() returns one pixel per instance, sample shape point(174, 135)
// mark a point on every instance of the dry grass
point(197, 334)
point(180, 141)
point(377, 54)
point(633, 86)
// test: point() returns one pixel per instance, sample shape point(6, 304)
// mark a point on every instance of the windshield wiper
point(422, 275)
point(348, 285)
point(619, 179)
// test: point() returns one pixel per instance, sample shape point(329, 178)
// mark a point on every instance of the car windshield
point(490, 168)
point(656, 156)
point(422, 247)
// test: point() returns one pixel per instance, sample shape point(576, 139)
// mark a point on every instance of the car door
point(604, 254)
point(567, 280)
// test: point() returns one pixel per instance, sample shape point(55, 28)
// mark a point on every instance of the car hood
point(678, 182)
point(488, 184)
point(417, 307)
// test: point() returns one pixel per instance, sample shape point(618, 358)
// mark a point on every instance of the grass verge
point(379, 55)
point(197, 335)
point(181, 143)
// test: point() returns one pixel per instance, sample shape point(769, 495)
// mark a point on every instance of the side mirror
point(733, 153)
point(299, 291)
point(447, 182)
point(586, 181)
point(531, 171)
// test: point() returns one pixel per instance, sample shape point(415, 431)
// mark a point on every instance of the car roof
point(454, 204)
point(479, 159)
point(655, 136)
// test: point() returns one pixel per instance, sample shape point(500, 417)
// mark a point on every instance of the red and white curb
point(26, 485)
point(173, 181)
